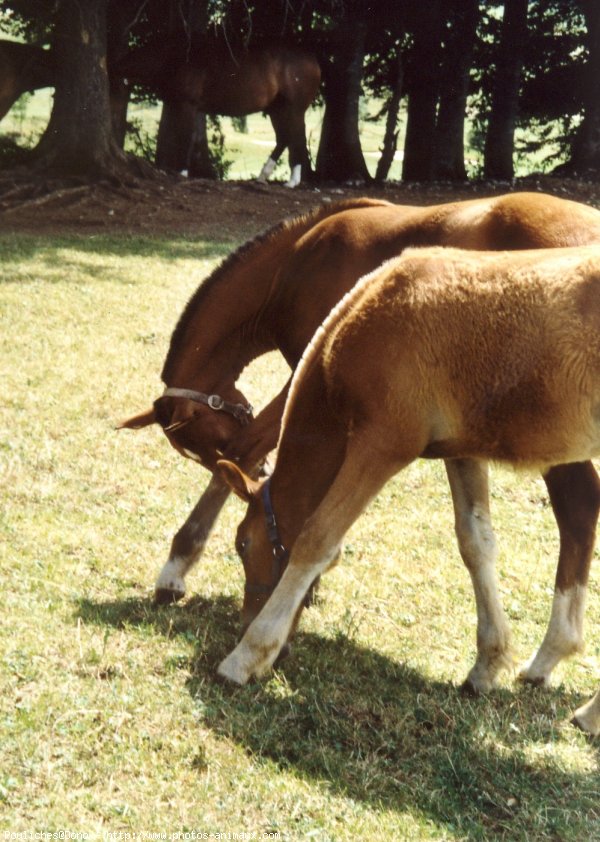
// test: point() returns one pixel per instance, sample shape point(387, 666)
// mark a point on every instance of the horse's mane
point(303, 221)
point(314, 346)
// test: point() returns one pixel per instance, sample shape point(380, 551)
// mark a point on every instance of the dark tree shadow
point(374, 730)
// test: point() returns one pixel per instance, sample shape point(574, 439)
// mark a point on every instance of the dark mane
point(305, 221)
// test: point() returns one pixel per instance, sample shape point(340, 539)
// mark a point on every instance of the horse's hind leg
point(290, 132)
point(358, 480)
point(281, 143)
point(574, 492)
point(469, 485)
point(188, 543)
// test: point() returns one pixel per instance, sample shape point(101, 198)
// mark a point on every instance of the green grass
point(110, 716)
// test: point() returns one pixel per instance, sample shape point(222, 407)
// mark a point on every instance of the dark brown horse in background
point(275, 291)
point(23, 68)
point(280, 80)
point(439, 354)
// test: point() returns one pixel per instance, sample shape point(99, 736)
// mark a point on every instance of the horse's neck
point(228, 325)
point(232, 317)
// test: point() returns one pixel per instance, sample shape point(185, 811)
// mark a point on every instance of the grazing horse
point(275, 291)
point(23, 67)
point(280, 80)
point(479, 357)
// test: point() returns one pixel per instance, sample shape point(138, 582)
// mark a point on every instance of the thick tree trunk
point(182, 142)
point(499, 142)
point(449, 158)
point(79, 139)
point(422, 99)
point(390, 138)
point(340, 156)
point(585, 154)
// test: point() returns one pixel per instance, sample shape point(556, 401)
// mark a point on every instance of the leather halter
point(280, 552)
point(242, 413)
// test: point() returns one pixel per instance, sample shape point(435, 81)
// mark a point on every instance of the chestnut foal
point(479, 357)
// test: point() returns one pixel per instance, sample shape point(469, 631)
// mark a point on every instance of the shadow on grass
point(50, 248)
point(367, 728)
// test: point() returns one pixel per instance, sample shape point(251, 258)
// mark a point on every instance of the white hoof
point(295, 177)
point(587, 717)
point(528, 674)
point(170, 585)
point(232, 669)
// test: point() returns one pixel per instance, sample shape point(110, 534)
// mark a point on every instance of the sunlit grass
point(110, 717)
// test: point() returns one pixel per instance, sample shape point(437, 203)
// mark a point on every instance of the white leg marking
point(477, 544)
point(564, 636)
point(295, 176)
point(587, 717)
point(267, 170)
point(268, 632)
point(171, 576)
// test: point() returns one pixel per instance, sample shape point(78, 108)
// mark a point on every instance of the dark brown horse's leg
point(251, 446)
point(290, 133)
point(188, 543)
point(575, 496)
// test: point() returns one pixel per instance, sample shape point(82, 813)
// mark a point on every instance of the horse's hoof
point(167, 596)
point(532, 680)
point(467, 688)
point(232, 672)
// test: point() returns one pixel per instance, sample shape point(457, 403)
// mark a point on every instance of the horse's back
point(521, 221)
point(493, 356)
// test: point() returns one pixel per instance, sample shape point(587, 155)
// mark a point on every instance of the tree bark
point(390, 138)
point(182, 142)
point(340, 156)
point(423, 93)
point(79, 139)
point(449, 158)
point(585, 153)
point(499, 142)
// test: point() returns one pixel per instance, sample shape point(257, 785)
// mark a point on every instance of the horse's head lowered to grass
point(198, 425)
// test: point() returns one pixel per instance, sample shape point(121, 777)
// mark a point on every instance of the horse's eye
point(242, 546)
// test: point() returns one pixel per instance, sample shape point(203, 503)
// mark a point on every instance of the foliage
point(216, 147)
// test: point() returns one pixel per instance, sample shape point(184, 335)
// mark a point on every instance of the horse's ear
point(136, 422)
point(237, 480)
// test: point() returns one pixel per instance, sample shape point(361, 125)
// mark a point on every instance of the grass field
point(110, 717)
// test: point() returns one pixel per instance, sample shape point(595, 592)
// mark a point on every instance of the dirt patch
point(220, 210)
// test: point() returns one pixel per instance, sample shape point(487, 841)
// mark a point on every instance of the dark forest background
point(515, 64)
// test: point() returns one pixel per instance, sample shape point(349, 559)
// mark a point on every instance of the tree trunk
point(390, 138)
point(422, 98)
point(449, 158)
point(182, 142)
point(499, 142)
point(340, 156)
point(585, 154)
point(79, 140)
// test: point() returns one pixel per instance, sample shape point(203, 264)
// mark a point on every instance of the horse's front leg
point(250, 447)
point(189, 542)
point(469, 485)
point(316, 549)
point(587, 717)
point(574, 492)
